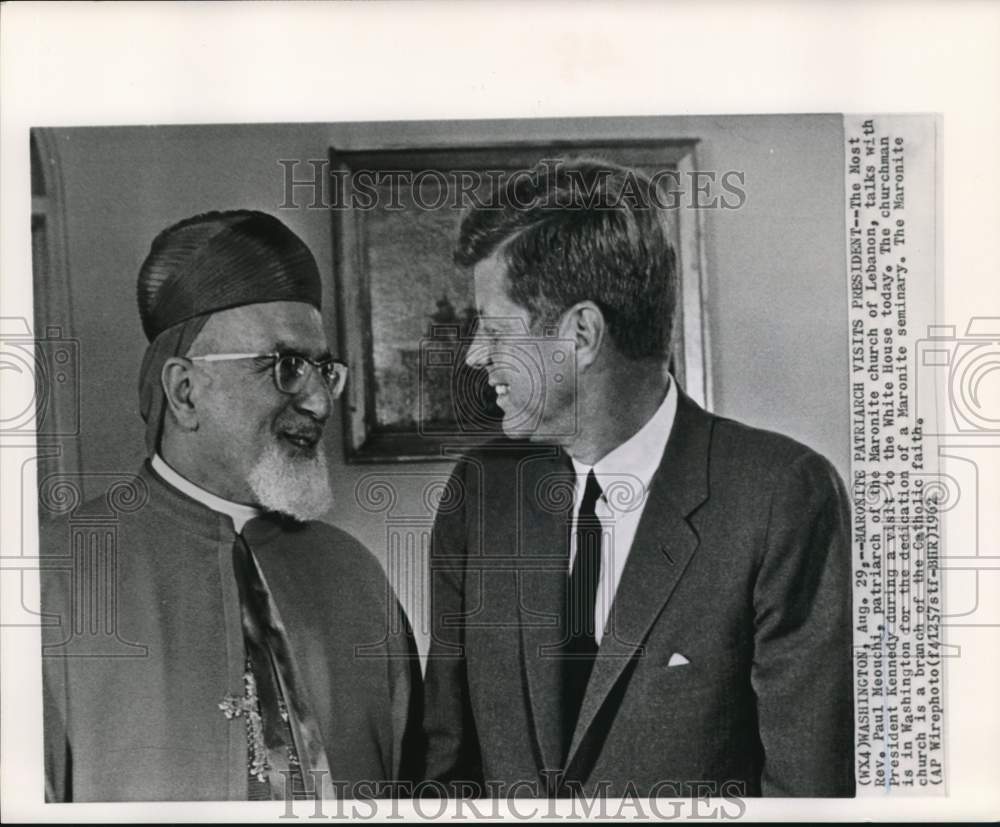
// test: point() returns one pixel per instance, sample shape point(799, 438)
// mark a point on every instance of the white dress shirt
point(624, 475)
point(240, 514)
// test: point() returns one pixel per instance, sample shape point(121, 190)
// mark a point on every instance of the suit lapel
point(541, 592)
point(663, 546)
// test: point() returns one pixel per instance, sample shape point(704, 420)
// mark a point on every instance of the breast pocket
point(681, 669)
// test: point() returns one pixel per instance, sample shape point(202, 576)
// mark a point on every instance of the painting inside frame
point(407, 311)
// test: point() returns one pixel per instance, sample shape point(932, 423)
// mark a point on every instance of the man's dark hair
point(573, 230)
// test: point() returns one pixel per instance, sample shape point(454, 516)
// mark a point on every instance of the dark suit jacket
point(741, 564)
point(146, 641)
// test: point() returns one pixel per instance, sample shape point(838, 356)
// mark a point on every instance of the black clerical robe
point(143, 644)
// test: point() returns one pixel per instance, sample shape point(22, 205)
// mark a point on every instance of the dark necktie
point(583, 586)
point(287, 740)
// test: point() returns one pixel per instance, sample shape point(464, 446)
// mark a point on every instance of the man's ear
point(177, 378)
point(585, 324)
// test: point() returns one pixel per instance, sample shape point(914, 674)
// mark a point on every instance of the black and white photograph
point(566, 553)
point(618, 464)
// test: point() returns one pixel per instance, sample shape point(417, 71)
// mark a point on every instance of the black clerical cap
point(221, 260)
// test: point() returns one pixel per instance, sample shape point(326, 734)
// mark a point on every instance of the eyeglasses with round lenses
point(291, 371)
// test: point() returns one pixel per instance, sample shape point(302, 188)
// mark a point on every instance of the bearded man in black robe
point(265, 652)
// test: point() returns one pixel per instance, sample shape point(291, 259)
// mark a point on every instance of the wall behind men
point(777, 309)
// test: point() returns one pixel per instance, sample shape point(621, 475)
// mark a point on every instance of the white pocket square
point(677, 659)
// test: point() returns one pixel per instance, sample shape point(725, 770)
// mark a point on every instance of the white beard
point(298, 487)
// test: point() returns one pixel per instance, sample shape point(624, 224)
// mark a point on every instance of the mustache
point(308, 431)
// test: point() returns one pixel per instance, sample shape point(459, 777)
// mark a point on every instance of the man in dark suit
point(632, 596)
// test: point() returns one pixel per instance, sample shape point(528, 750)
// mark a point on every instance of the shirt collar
point(239, 513)
point(640, 455)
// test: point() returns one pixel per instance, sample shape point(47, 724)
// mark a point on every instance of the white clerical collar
point(240, 514)
point(640, 455)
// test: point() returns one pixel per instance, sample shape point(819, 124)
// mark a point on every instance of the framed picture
point(407, 312)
